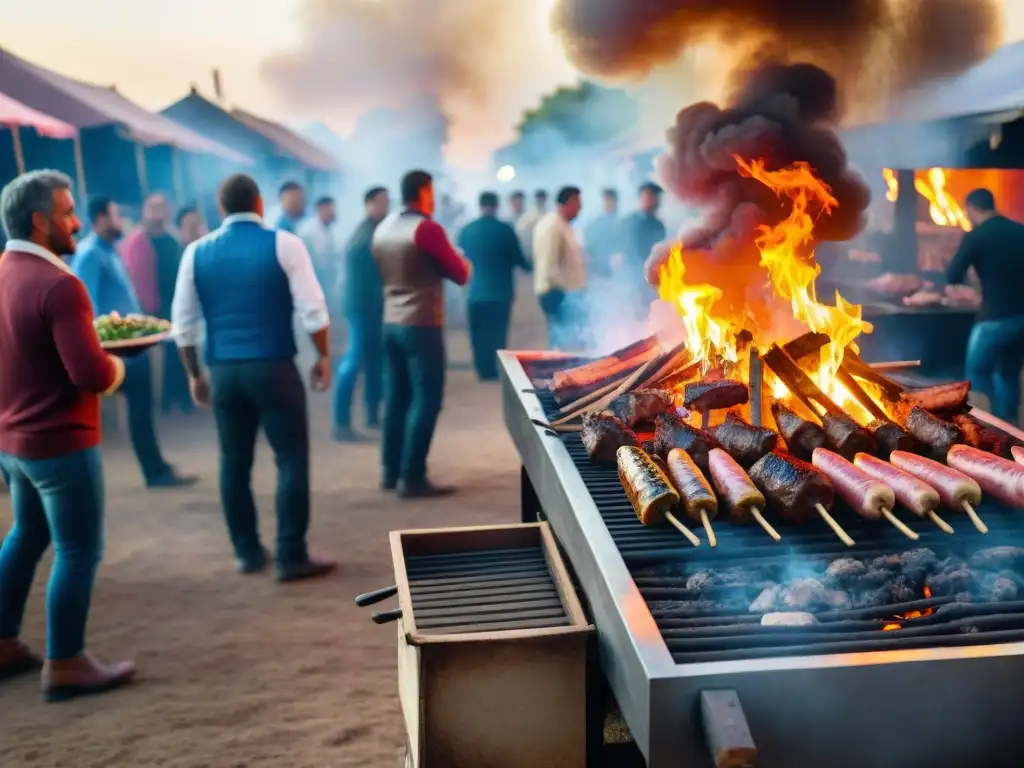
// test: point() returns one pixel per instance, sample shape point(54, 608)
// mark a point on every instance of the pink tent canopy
point(14, 114)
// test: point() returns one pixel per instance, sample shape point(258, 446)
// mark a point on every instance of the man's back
point(363, 287)
point(413, 283)
point(996, 251)
point(493, 249)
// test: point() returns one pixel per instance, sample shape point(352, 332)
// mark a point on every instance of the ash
point(991, 575)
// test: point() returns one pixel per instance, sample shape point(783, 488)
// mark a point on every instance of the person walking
point(52, 372)
point(558, 270)
point(414, 257)
point(364, 311)
point(246, 281)
point(995, 349)
point(493, 249)
point(292, 199)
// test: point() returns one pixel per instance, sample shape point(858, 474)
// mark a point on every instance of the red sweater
point(52, 367)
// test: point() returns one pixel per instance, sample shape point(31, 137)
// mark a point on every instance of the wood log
point(755, 378)
point(805, 345)
point(857, 367)
point(860, 395)
point(726, 731)
point(798, 382)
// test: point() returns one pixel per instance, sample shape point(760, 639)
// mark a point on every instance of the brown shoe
point(83, 676)
point(313, 568)
point(16, 659)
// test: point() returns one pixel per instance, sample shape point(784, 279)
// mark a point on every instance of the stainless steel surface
point(940, 708)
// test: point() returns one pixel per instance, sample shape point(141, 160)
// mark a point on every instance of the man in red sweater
point(52, 371)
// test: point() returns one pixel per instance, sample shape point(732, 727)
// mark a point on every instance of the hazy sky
point(154, 51)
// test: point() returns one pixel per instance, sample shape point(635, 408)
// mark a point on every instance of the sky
point(153, 52)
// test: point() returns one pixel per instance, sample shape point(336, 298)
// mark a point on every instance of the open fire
point(930, 184)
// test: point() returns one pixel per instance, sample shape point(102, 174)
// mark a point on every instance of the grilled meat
point(603, 435)
point(998, 477)
point(846, 437)
point(641, 406)
point(604, 369)
point(934, 434)
point(944, 397)
point(792, 487)
point(912, 492)
point(801, 436)
point(985, 437)
point(736, 490)
point(745, 442)
point(673, 432)
point(890, 437)
point(646, 486)
point(715, 395)
point(693, 488)
point(865, 495)
point(953, 487)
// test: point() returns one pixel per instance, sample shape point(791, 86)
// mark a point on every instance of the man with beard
point(100, 268)
point(558, 270)
point(364, 311)
point(52, 370)
point(293, 206)
point(414, 257)
point(246, 282)
point(641, 231)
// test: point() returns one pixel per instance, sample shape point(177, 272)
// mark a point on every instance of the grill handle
point(726, 731)
point(370, 598)
point(385, 617)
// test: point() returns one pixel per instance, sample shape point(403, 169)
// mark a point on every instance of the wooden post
point(19, 154)
point(177, 177)
point(140, 165)
point(903, 258)
point(80, 170)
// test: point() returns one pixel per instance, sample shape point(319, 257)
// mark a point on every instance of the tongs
point(371, 598)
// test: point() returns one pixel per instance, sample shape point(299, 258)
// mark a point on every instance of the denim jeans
point(415, 362)
point(175, 389)
point(488, 332)
point(364, 354)
point(138, 391)
point(270, 394)
point(995, 357)
point(58, 500)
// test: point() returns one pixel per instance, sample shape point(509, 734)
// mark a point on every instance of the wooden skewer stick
point(895, 365)
point(978, 523)
point(888, 515)
point(769, 529)
point(682, 529)
point(843, 535)
point(943, 525)
point(558, 427)
point(706, 522)
point(622, 388)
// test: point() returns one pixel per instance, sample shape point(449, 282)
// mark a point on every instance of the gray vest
point(413, 283)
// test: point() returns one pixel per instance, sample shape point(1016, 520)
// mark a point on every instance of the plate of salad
point(129, 335)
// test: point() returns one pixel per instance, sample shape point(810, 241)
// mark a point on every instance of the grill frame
point(803, 710)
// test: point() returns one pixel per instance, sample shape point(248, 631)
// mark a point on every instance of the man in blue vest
point(99, 266)
point(247, 281)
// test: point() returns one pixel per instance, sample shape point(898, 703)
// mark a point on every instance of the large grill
point(839, 693)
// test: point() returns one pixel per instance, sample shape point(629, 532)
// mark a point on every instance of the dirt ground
point(238, 672)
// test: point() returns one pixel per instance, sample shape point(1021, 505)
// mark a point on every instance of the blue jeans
point(138, 391)
point(364, 354)
point(995, 357)
point(58, 500)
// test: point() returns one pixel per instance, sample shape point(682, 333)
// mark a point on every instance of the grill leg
point(529, 503)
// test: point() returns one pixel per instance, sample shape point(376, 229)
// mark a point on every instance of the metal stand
point(530, 508)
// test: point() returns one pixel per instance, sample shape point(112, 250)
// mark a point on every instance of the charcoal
point(997, 589)
point(951, 582)
point(998, 558)
point(788, 619)
point(681, 609)
point(768, 600)
point(1013, 576)
point(903, 590)
point(963, 597)
point(811, 594)
point(971, 630)
point(845, 571)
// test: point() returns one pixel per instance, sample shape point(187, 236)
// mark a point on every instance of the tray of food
point(129, 335)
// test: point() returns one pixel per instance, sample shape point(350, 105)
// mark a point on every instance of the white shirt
point(27, 246)
point(321, 240)
point(524, 229)
point(307, 295)
point(557, 256)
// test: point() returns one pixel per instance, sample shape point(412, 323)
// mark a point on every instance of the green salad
point(114, 327)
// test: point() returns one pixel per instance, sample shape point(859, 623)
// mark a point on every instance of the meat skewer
point(602, 435)
point(671, 431)
point(649, 490)
point(706, 396)
point(745, 442)
point(796, 490)
point(801, 435)
point(889, 437)
point(914, 494)
point(742, 499)
point(845, 436)
point(939, 436)
point(694, 490)
point(997, 477)
point(868, 497)
point(641, 405)
point(956, 490)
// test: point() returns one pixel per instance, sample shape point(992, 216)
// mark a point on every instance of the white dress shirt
point(307, 295)
point(557, 256)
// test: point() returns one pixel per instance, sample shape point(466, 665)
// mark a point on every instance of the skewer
point(558, 427)
point(705, 419)
point(888, 515)
point(622, 388)
point(978, 523)
point(843, 535)
point(895, 365)
point(706, 522)
point(943, 525)
point(756, 514)
point(683, 529)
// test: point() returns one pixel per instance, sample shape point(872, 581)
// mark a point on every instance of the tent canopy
point(300, 148)
point(14, 114)
point(89, 106)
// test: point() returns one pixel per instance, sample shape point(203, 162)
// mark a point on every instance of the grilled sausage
point(846, 437)
point(914, 494)
point(646, 486)
point(745, 442)
point(715, 395)
point(944, 397)
point(671, 431)
point(890, 437)
point(953, 487)
point(801, 435)
point(792, 487)
point(867, 496)
point(603, 434)
point(997, 477)
point(936, 435)
point(693, 488)
point(641, 406)
point(737, 491)
point(985, 437)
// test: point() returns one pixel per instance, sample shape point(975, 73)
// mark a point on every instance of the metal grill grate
point(484, 591)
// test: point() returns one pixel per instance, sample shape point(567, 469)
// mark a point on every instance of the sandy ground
point(238, 672)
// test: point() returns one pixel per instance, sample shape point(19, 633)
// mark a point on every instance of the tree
point(585, 114)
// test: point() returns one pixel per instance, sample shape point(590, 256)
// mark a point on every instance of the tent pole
point(191, 161)
point(177, 179)
point(19, 154)
point(80, 169)
point(140, 164)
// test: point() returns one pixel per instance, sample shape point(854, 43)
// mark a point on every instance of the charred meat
point(801, 435)
point(715, 395)
point(792, 487)
point(646, 486)
point(937, 436)
point(673, 432)
point(641, 406)
point(944, 397)
point(890, 437)
point(745, 442)
point(603, 435)
point(846, 437)
point(985, 437)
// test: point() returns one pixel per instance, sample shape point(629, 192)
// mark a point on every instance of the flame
point(916, 614)
point(892, 185)
point(931, 185)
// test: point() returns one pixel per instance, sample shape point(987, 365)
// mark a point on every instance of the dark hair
point(98, 206)
point(325, 200)
point(188, 210)
point(412, 184)
point(981, 200)
point(239, 194)
point(565, 194)
point(650, 186)
point(540, 195)
point(517, 195)
point(288, 186)
point(609, 192)
point(488, 199)
point(372, 192)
